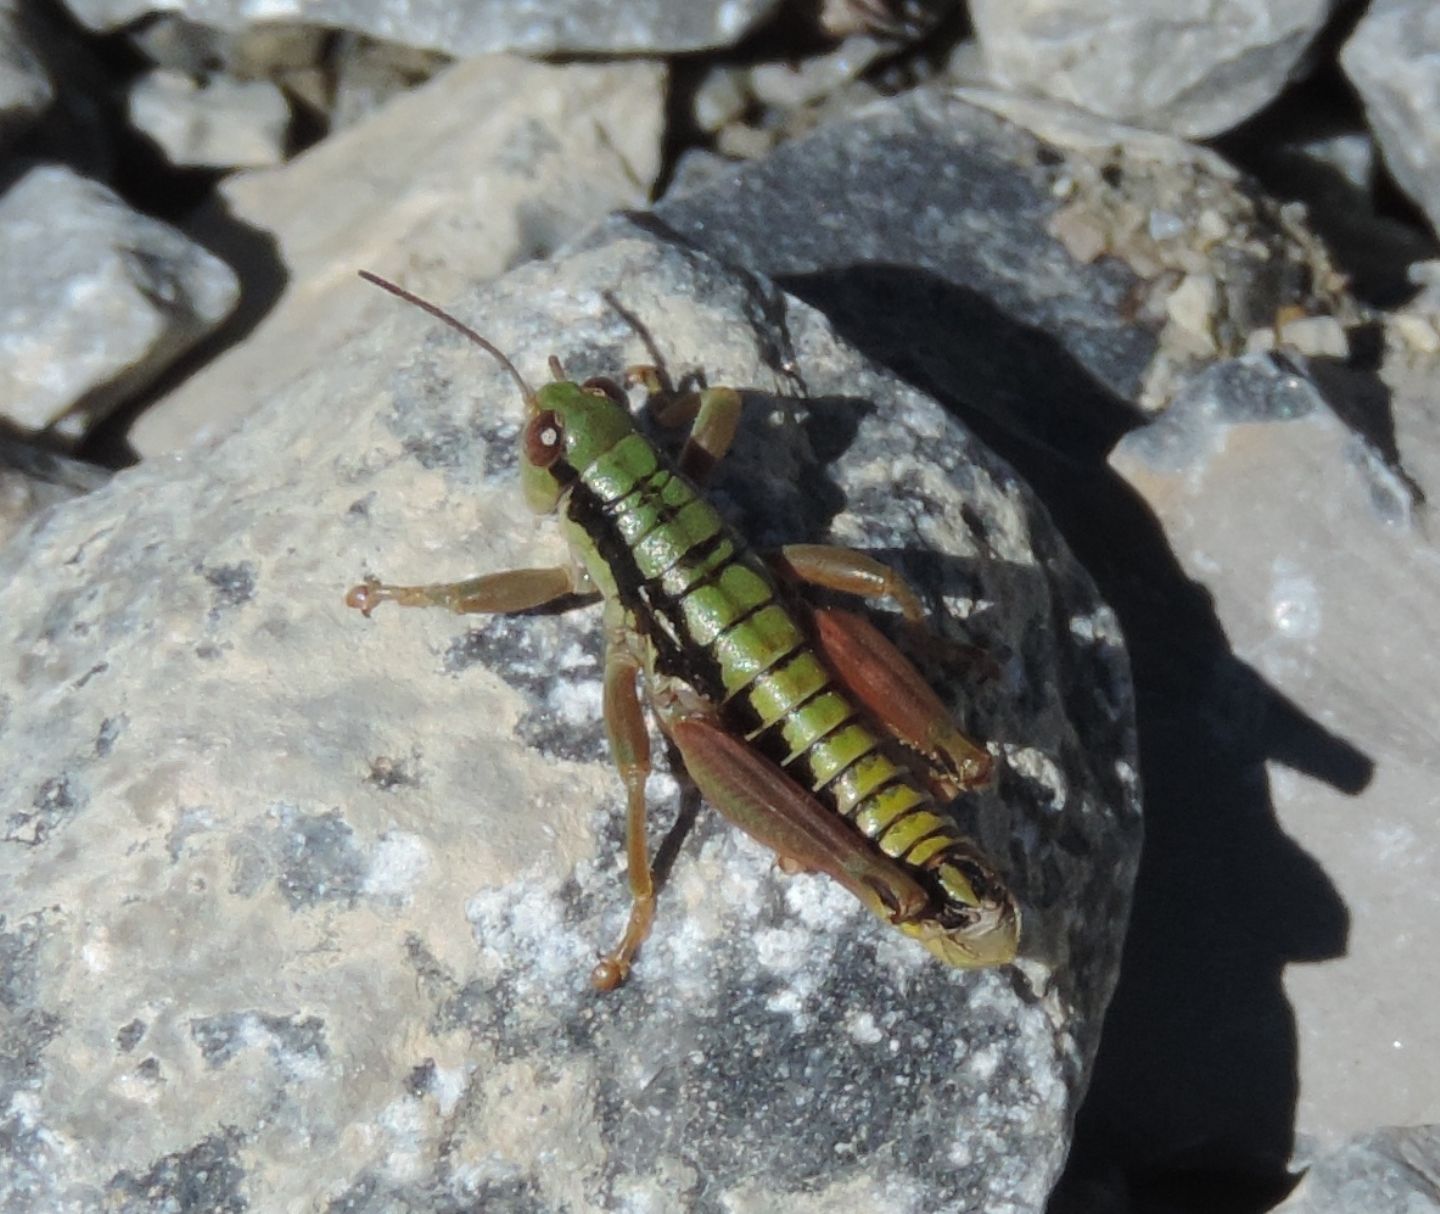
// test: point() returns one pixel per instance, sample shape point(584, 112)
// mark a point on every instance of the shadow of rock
point(1197, 1068)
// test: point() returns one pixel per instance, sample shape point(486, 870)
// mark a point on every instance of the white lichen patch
point(1043, 770)
point(405, 1127)
point(1097, 626)
point(862, 1027)
point(521, 933)
point(397, 863)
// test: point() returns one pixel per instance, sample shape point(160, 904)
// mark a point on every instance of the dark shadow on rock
point(255, 257)
point(1197, 1070)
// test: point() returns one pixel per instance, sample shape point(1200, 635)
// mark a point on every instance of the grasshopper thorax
point(568, 426)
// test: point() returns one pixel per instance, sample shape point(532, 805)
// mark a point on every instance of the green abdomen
point(713, 613)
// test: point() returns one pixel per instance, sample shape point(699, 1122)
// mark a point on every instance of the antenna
point(440, 314)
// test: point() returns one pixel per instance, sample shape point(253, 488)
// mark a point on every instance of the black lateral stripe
point(648, 483)
point(665, 628)
point(899, 776)
point(940, 832)
point(740, 711)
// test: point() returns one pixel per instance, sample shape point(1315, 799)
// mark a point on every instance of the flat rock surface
point(298, 909)
point(1322, 575)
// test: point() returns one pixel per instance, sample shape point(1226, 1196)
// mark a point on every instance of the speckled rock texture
point(95, 300)
point(1394, 1168)
point(473, 27)
point(298, 908)
point(1194, 67)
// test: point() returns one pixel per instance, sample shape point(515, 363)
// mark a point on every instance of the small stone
point(1194, 68)
point(1076, 229)
point(95, 300)
point(1191, 310)
point(721, 97)
point(219, 122)
point(788, 86)
point(1416, 332)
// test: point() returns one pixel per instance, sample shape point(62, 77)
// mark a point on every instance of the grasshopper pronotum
point(787, 717)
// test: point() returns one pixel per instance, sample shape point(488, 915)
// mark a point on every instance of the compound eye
point(544, 439)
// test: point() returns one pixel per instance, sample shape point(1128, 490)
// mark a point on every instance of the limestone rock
point(95, 300)
point(1393, 60)
point(496, 161)
point(473, 27)
point(1192, 67)
point(218, 122)
point(306, 903)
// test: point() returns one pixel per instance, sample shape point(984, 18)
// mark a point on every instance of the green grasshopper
point(787, 717)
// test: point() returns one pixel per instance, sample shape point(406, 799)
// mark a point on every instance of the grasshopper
point(804, 726)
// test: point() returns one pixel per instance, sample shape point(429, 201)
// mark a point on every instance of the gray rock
point(790, 85)
point(1027, 229)
point(95, 300)
point(1022, 264)
point(1393, 1169)
point(495, 162)
point(215, 122)
point(1194, 68)
point(33, 479)
point(472, 27)
point(369, 73)
point(307, 903)
point(25, 87)
point(1283, 491)
point(258, 52)
point(1393, 60)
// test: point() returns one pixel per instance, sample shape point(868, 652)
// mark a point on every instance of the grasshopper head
point(567, 427)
